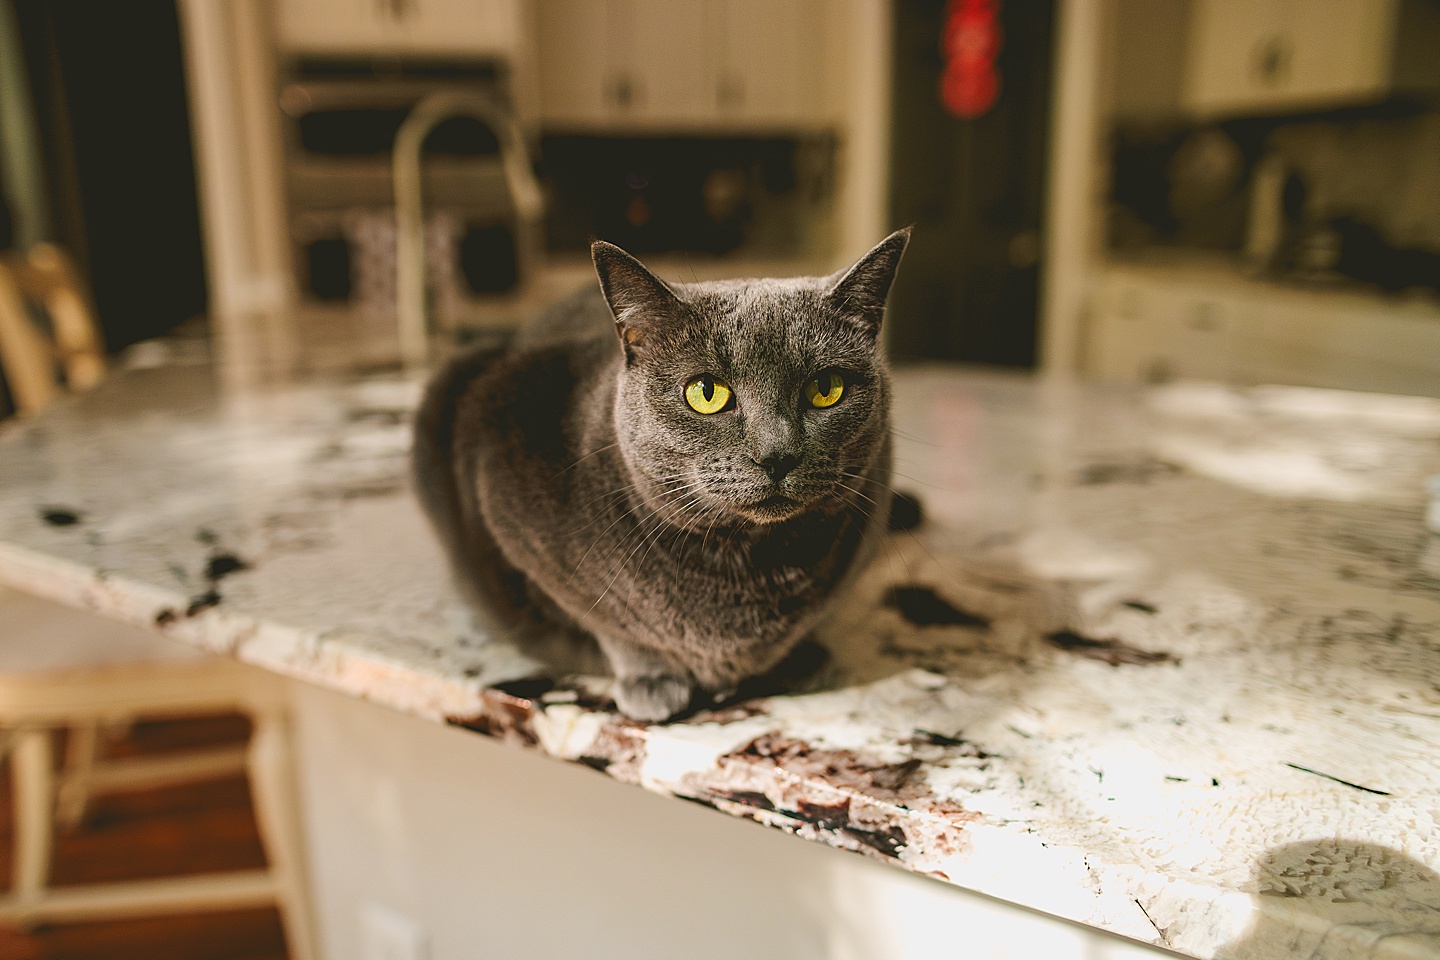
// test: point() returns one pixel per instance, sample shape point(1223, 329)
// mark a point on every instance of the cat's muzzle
point(772, 509)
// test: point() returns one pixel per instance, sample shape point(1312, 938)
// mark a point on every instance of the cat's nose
point(777, 465)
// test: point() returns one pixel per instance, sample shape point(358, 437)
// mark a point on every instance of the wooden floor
point(176, 830)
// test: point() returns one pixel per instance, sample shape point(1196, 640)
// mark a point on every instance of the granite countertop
point(1162, 661)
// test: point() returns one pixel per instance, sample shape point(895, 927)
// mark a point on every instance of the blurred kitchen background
point(1242, 190)
point(1129, 190)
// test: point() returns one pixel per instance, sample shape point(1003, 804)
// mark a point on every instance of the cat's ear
point(639, 300)
point(860, 292)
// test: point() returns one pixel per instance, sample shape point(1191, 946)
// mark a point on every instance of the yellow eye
point(705, 394)
point(825, 390)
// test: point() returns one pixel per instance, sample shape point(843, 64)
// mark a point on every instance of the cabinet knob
point(1272, 59)
point(396, 10)
point(623, 92)
point(730, 92)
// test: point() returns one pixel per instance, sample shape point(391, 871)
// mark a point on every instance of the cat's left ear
point(639, 300)
point(860, 292)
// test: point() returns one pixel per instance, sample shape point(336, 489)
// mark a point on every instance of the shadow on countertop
point(1337, 899)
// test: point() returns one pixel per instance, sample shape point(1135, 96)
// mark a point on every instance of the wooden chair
point(63, 669)
point(43, 284)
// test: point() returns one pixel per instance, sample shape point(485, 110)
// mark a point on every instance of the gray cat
point(692, 493)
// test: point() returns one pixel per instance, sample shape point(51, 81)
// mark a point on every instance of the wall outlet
point(386, 934)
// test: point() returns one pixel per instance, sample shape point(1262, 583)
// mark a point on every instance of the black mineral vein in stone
point(906, 513)
point(887, 841)
point(826, 816)
point(202, 602)
point(59, 516)
point(746, 798)
point(526, 688)
point(938, 739)
point(923, 607)
point(1112, 652)
point(222, 565)
point(1343, 783)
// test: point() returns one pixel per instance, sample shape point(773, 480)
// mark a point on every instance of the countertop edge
point(694, 762)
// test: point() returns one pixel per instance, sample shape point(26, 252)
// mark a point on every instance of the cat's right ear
point(861, 291)
point(639, 300)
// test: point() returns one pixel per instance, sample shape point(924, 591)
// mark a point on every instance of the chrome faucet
point(525, 199)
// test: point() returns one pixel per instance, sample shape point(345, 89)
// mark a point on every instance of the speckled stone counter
point(1166, 662)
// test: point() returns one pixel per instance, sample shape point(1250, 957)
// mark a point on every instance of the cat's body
point(580, 493)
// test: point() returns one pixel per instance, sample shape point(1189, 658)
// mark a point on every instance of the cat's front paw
point(652, 697)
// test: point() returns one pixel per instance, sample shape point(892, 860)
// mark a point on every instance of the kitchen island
point(1161, 661)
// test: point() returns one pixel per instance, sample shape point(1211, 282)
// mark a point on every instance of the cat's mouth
point(772, 509)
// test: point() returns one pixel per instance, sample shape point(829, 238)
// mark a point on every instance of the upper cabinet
point(400, 27)
point(653, 65)
point(772, 64)
point(1276, 56)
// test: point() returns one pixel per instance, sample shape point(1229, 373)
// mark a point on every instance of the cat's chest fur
point(552, 487)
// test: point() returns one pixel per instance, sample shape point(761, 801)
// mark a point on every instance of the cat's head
point(750, 400)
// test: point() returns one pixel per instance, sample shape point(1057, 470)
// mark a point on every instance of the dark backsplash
point(690, 194)
point(1360, 196)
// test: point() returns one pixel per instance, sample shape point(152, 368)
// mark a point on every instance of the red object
point(971, 43)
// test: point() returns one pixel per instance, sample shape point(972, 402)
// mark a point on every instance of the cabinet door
point(1342, 49)
point(771, 68)
point(663, 62)
point(575, 62)
point(459, 26)
point(1151, 331)
point(437, 27)
point(671, 65)
point(324, 26)
point(1119, 338)
point(625, 63)
point(1272, 55)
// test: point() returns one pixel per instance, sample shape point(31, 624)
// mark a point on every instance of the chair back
point(48, 332)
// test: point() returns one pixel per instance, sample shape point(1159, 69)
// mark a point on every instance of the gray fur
point(580, 497)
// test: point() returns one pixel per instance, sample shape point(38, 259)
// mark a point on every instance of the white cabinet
point(660, 55)
point(400, 27)
point(666, 65)
point(772, 66)
point(1153, 332)
point(1272, 56)
point(1154, 323)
